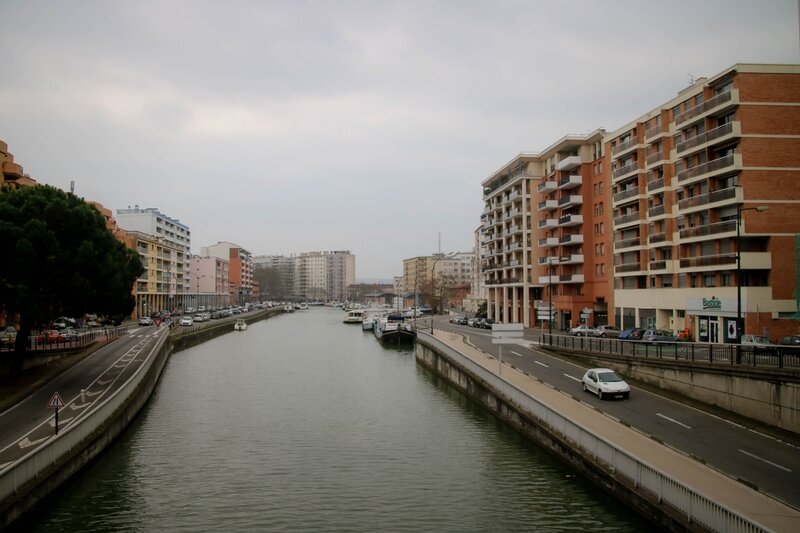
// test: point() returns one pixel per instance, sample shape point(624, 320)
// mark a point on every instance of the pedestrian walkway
point(714, 485)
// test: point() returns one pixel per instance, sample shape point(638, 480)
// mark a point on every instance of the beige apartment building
point(11, 174)
point(209, 282)
point(546, 236)
point(706, 202)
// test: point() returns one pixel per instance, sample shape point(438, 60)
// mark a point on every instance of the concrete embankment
point(672, 490)
point(30, 479)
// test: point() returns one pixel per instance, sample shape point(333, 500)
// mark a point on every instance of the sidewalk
point(730, 493)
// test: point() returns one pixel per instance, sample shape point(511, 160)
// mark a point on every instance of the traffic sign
point(55, 402)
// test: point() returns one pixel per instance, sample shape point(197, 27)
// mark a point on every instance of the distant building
point(324, 275)
point(240, 270)
point(12, 175)
point(209, 282)
point(284, 267)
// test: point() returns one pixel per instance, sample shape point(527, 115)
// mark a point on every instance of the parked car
point(454, 319)
point(145, 321)
point(759, 344)
point(49, 336)
point(485, 323)
point(70, 334)
point(187, 321)
point(605, 383)
point(631, 334)
point(198, 317)
point(790, 340)
point(658, 335)
point(582, 331)
point(8, 338)
point(606, 331)
point(473, 322)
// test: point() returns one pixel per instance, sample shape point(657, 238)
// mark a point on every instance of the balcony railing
point(570, 182)
point(547, 205)
point(656, 184)
point(571, 278)
point(627, 243)
point(575, 238)
point(621, 147)
point(708, 260)
point(570, 220)
point(627, 169)
point(625, 219)
point(658, 265)
point(708, 198)
point(711, 229)
point(628, 267)
point(657, 237)
point(548, 223)
point(627, 193)
point(703, 138)
point(547, 186)
point(548, 242)
point(572, 259)
point(570, 200)
point(711, 166)
point(653, 131)
point(703, 108)
point(548, 260)
point(656, 211)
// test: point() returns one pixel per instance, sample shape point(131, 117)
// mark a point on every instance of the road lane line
point(764, 460)
point(542, 364)
point(673, 421)
point(515, 353)
point(574, 378)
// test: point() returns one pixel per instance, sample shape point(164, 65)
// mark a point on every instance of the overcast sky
point(350, 125)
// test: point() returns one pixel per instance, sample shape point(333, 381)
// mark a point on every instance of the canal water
point(303, 423)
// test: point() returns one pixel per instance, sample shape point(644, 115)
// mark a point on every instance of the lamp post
point(433, 284)
point(549, 296)
point(739, 211)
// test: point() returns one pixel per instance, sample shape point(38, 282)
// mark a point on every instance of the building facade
point(707, 207)
point(240, 269)
point(324, 275)
point(11, 174)
point(209, 282)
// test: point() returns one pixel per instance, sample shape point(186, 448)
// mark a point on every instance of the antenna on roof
point(692, 79)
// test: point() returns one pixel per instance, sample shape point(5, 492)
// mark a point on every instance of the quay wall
point(29, 480)
point(652, 493)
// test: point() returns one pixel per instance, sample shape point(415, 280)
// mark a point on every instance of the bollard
point(83, 395)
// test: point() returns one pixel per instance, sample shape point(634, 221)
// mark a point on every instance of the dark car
point(790, 340)
point(658, 335)
point(631, 334)
point(486, 323)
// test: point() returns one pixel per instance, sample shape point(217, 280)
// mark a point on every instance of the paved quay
point(726, 491)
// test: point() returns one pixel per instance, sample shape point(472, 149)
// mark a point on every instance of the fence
point(694, 506)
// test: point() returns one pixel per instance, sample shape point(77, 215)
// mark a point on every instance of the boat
point(288, 308)
point(354, 316)
point(393, 329)
point(301, 307)
point(368, 324)
point(240, 325)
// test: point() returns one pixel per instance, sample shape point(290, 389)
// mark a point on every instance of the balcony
point(548, 223)
point(626, 219)
point(654, 185)
point(513, 196)
point(570, 201)
point(624, 146)
point(704, 200)
point(627, 169)
point(513, 246)
point(628, 267)
point(718, 134)
point(513, 213)
point(652, 159)
point(625, 194)
point(567, 221)
point(569, 240)
point(548, 260)
point(708, 261)
point(728, 98)
point(568, 163)
point(547, 205)
point(572, 259)
point(12, 169)
point(657, 238)
point(547, 186)
point(570, 278)
point(570, 182)
point(662, 267)
point(652, 132)
point(627, 243)
point(729, 226)
point(656, 211)
point(548, 280)
point(513, 230)
point(548, 242)
point(717, 166)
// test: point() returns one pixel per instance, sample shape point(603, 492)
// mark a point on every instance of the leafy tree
point(61, 260)
point(269, 279)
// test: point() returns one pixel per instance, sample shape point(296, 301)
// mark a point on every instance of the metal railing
point(659, 485)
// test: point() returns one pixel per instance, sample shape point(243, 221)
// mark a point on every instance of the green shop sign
point(713, 303)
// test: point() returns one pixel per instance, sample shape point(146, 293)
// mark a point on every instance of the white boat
point(368, 324)
point(392, 329)
point(301, 307)
point(288, 308)
point(240, 325)
point(354, 316)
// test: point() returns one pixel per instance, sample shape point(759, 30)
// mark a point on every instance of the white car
point(582, 331)
point(605, 383)
point(187, 321)
point(145, 321)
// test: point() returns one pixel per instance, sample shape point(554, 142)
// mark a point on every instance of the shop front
point(714, 319)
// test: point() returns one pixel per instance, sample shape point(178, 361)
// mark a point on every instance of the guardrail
point(29, 467)
point(774, 356)
point(693, 505)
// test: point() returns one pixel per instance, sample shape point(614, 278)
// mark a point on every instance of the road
point(30, 422)
point(759, 459)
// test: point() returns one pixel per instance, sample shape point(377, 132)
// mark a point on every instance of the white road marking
point(764, 460)
point(61, 421)
point(673, 421)
point(2, 466)
point(542, 364)
point(515, 353)
point(574, 378)
point(27, 443)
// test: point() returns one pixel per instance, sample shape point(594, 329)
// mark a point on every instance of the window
point(708, 280)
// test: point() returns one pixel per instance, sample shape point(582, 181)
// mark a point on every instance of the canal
point(302, 423)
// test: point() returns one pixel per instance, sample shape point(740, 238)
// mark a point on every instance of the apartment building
point(209, 282)
point(706, 203)
point(11, 174)
point(419, 274)
point(240, 269)
point(172, 232)
point(546, 236)
point(324, 275)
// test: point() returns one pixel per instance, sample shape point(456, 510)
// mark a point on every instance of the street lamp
point(739, 211)
point(550, 296)
point(433, 284)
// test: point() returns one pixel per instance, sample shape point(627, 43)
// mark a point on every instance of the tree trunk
point(20, 348)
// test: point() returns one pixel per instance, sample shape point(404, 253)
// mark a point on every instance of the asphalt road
point(30, 422)
point(759, 459)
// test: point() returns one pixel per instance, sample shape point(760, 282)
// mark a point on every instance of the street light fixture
point(739, 328)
